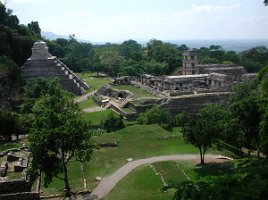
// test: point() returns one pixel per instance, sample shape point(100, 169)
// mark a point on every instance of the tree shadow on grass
point(214, 169)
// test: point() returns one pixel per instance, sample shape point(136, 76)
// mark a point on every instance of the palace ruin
point(197, 86)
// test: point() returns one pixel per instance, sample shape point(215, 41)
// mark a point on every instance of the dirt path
point(94, 109)
point(109, 182)
point(84, 97)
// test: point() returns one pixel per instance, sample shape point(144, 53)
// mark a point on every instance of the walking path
point(94, 109)
point(84, 97)
point(109, 182)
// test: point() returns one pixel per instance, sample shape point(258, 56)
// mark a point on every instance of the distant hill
point(52, 36)
point(237, 45)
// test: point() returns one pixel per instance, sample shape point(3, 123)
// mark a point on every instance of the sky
point(119, 20)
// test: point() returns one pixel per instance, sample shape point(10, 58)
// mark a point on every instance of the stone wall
point(21, 196)
point(15, 186)
point(108, 91)
point(235, 72)
point(192, 103)
point(125, 115)
point(175, 105)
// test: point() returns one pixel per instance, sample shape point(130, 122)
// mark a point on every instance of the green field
point(137, 141)
point(128, 110)
point(142, 183)
point(171, 172)
point(88, 103)
point(96, 117)
point(75, 180)
point(94, 81)
point(139, 93)
point(9, 145)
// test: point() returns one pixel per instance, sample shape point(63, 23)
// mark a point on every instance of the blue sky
point(119, 20)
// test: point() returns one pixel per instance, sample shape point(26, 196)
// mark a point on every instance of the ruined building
point(43, 64)
point(196, 77)
point(198, 86)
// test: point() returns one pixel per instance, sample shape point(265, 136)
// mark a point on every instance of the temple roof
point(40, 51)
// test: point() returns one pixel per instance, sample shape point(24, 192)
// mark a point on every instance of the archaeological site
point(194, 87)
point(43, 64)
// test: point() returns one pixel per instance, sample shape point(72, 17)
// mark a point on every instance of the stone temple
point(43, 64)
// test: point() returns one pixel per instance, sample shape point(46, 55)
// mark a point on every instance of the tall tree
point(156, 115)
point(130, 49)
point(58, 135)
point(204, 130)
point(247, 107)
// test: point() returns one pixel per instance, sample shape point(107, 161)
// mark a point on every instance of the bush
point(112, 123)
point(156, 115)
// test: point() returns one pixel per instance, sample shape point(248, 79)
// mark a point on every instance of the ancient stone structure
point(43, 64)
point(108, 91)
point(16, 161)
point(190, 63)
point(199, 85)
point(196, 78)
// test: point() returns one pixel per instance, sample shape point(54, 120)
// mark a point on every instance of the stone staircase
point(43, 64)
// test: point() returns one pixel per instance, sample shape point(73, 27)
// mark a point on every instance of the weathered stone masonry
point(43, 64)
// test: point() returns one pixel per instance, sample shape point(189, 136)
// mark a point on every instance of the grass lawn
point(142, 183)
point(93, 81)
point(75, 181)
point(139, 93)
point(171, 172)
point(128, 110)
point(137, 141)
point(9, 145)
point(89, 103)
point(14, 175)
point(96, 117)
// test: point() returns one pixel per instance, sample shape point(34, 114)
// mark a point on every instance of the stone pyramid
point(43, 64)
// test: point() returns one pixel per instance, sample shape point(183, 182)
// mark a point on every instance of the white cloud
point(208, 8)
point(16, 1)
point(75, 15)
point(195, 22)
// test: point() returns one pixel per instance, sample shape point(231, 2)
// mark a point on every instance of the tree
point(254, 59)
point(131, 68)
point(182, 120)
point(263, 81)
point(131, 50)
point(263, 86)
point(264, 132)
point(247, 107)
point(248, 112)
point(35, 89)
point(112, 123)
point(10, 80)
point(111, 60)
point(156, 115)
point(190, 191)
point(164, 53)
point(205, 129)
point(34, 27)
point(9, 124)
point(155, 68)
point(58, 135)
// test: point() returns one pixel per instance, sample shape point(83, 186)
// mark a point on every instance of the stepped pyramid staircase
point(43, 64)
